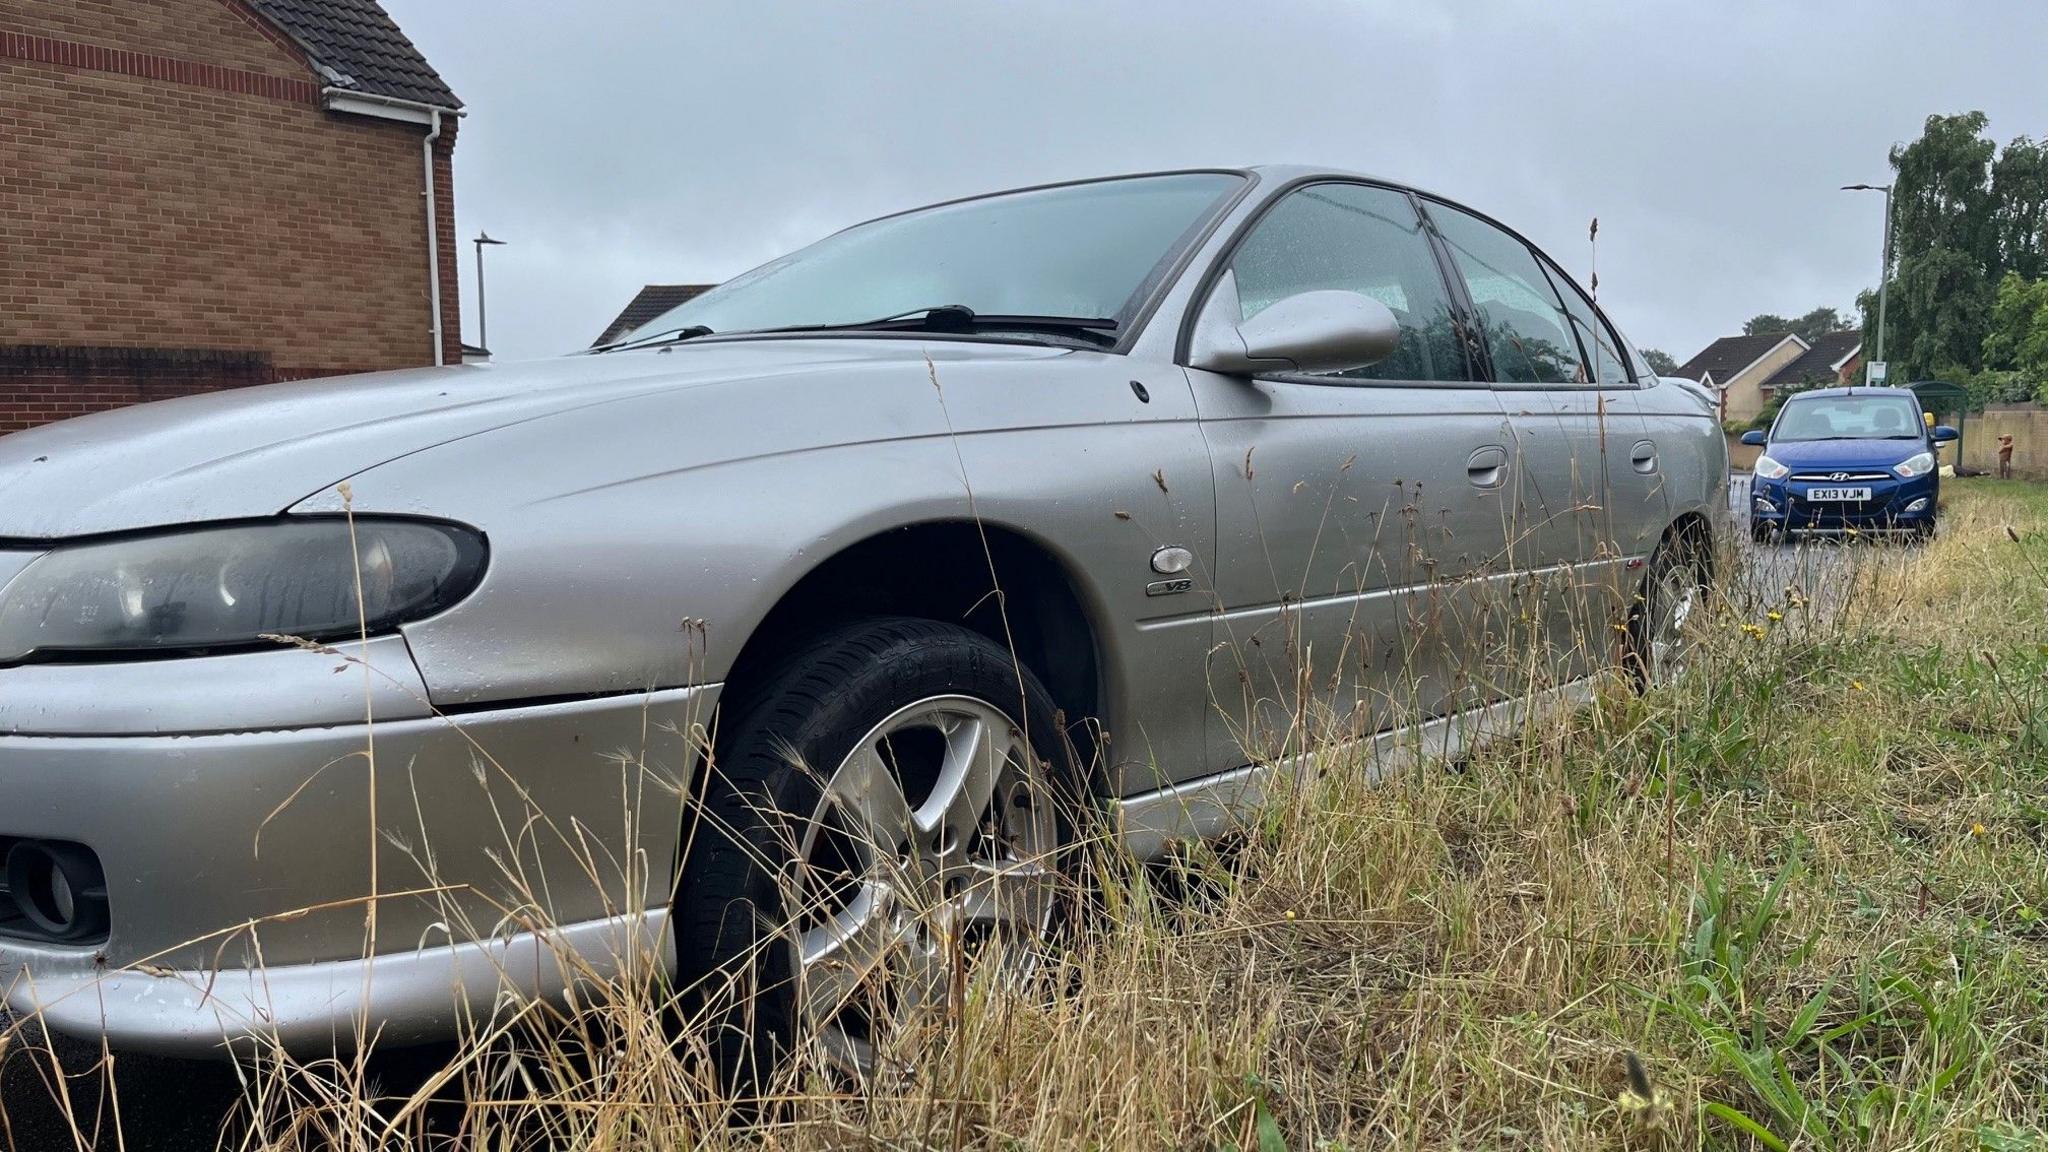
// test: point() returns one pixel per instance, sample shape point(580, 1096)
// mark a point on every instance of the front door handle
point(1644, 457)
point(1488, 467)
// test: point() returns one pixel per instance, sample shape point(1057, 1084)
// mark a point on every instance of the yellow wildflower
point(1775, 615)
point(1856, 686)
point(1977, 830)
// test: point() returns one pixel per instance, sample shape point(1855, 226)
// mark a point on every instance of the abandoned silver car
point(794, 636)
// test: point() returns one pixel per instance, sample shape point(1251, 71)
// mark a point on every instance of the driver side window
point(1362, 239)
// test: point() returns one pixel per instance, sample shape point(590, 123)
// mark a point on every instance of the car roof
point(1852, 390)
point(1265, 175)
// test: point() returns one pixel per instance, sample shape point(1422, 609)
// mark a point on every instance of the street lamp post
point(1884, 276)
point(483, 327)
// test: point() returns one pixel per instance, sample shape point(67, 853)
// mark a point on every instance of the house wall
point(1742, 457)
point(176, 210)
point(1744, 396)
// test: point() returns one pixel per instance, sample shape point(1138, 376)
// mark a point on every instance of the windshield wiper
point(962, 320)
point(671, 336)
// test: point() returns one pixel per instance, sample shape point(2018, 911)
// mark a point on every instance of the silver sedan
point(799, 635)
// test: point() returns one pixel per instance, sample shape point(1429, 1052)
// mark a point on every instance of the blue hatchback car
point(1846, 459)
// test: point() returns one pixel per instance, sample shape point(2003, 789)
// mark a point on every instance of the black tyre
point(888, 807)
point(1673, 589)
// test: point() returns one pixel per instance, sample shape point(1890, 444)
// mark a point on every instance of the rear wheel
point(1672, 592)
point(891, 809)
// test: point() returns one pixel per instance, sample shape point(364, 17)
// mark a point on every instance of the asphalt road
point(176, 1105)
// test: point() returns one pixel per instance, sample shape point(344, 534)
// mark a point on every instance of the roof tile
point(652, 301)
point(357, 42)
point(1729, 355)
point(1818, 364)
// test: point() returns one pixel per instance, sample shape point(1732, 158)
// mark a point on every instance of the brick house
point(1748, 372)
point(197, 194)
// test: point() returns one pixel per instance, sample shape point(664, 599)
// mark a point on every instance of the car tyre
point(815, 903)
point(1673, 589)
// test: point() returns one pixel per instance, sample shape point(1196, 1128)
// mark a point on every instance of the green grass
point(1807, 885)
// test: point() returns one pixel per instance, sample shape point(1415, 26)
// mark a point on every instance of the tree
point(2018, 340)
point(1945, 249)
point(1944, 299)
point(1941, 196)
point(2019, 194)
point(1809, 327)
point(1660, 361)
point(1820, 322)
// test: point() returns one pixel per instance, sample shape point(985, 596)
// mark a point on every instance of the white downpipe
point(434, 239)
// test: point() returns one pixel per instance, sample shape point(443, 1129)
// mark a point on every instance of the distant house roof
point(652, 301)
point(1729, 355)
point(357, 47)
point(1821, 361)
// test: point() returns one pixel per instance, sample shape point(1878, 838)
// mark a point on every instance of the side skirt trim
point(1151, 822)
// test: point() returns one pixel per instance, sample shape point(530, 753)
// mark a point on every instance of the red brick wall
point(168, 182)
point(39, 385)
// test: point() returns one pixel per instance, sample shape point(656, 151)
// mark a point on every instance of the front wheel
point(891, 808)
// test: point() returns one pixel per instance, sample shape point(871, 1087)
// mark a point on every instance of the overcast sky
point(617, 143)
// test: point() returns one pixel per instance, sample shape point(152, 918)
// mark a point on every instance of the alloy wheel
point(933, 847)
point(1677, 595)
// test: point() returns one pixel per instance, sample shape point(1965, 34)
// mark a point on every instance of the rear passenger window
point(1526, 327)
point(1608, 366)
point(1359, 239)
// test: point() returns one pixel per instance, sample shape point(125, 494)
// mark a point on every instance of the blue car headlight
point(235, 586)
point(1918, 464)
point(1769, 469)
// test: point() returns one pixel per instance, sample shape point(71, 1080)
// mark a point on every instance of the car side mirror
point(1754, 436)
point(1943, 434)
point(1328, 330)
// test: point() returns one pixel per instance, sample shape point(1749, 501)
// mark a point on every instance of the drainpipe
point(434, 239)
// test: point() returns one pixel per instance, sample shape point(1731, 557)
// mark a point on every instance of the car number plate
point(1818, 494)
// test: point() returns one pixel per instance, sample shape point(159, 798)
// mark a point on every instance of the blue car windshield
point(1848, 417)
point(1092, 250)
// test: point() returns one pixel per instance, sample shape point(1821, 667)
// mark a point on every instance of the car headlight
point(1769, 469)
point(1918, 464)
point(226, 587)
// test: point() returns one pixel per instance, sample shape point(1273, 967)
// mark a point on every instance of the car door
point(1356, 511)
point(1590, 501)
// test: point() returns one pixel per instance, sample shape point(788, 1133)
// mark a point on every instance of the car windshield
point(1849, 418)
point(1090, 251)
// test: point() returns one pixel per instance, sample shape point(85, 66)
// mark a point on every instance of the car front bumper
point(229, 803)
point(1894, 505)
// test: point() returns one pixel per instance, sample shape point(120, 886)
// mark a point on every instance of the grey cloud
point(633, 141)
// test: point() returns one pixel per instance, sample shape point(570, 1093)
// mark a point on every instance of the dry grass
point(1807, 885)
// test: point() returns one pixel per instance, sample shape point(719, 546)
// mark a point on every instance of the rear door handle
point(1488, 467)
point(1644, 457)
